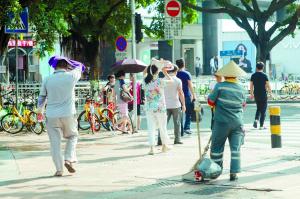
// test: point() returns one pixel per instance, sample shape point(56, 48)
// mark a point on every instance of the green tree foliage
point(248, 12)
point(156, 28)
point(83, 26)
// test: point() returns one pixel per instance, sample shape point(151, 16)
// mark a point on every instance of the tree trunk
point(4, 38)
point(261, 52)
point(87, 52)
point(92, 57)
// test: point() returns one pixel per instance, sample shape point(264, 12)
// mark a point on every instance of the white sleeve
point(76, 73)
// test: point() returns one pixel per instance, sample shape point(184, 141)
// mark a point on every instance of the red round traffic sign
point(173, 8)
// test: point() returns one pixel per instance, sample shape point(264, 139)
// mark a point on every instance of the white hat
point(231, 70)
point(162, 64)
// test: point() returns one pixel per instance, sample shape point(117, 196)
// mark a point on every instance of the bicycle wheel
point(83, 121)
point(11, 123)
point(106, 119)
point(117, 118)
point(35, 126)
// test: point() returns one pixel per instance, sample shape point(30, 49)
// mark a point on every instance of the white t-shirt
point(171, 93)
point(60, 91)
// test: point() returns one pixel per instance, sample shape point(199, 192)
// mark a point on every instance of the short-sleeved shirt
point(259, 80)
point(185, 77)
point(229, 99)
point(171, 93)
point(59, 88)
point(154, 95)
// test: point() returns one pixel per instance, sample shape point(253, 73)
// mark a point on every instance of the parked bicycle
point(15, 121)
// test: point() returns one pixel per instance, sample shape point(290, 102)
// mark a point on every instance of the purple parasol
point(129, 66)
point(75, 64)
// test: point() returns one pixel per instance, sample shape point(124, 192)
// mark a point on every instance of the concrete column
point(210, 35)
point(177, 49)
point(164, 50)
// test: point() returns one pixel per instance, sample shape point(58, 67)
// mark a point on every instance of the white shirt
point(60, 91)
point(212, 63)
point(171, 93)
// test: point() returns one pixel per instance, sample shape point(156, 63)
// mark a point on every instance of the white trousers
point(66, 126)
point(157, 121)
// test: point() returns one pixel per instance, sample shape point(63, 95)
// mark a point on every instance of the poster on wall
point(247, 60)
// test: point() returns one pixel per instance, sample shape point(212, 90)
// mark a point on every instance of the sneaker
point(189, 132)
point(58, 174)
point(262, 128)
point(233, 177)
point(255, 124)
point(178, 142)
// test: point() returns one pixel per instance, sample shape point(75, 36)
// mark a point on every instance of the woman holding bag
point(155, 105)
point(122, 105)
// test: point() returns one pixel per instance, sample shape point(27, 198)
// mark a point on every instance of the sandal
point(69, 167)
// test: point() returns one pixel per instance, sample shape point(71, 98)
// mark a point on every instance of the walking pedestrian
point(259, 85)
point(122, 106)
point(189, 94)
point(175, 104)
point(155, 106)
point(229, 99)
point(198, 68)
point(58, 91)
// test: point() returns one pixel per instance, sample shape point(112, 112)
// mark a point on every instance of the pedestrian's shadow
point(111, 159)
point(20, 181)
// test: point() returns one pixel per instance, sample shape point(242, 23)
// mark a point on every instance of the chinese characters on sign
point(21, 43)
point(172, 19)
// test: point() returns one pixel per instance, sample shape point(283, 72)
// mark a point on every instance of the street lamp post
point(132, 3)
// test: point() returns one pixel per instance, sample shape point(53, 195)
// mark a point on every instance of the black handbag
point(125, 97)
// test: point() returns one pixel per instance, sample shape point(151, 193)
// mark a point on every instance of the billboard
point(247, 60)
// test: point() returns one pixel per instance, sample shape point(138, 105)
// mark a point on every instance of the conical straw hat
point(231, 70)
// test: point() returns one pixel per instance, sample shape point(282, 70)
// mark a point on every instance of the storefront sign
point(21, 43)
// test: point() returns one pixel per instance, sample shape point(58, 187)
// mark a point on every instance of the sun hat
point(231, 70)
point(75, 64)
point(162, 64)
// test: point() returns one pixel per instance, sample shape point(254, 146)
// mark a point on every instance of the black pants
point(260, 115)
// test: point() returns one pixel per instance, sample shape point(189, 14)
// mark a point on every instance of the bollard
point(275, 126)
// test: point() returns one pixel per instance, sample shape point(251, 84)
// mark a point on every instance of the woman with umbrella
point(120, 68)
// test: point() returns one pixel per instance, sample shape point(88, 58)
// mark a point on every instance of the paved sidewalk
point(116, 166)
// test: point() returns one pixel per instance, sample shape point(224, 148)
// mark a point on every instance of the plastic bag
point(209, 169)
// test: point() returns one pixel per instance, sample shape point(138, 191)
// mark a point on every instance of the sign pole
point(17, 69)
point(134, 57)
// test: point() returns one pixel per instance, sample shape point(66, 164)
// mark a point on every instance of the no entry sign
point(172, 19)
point(173, 8)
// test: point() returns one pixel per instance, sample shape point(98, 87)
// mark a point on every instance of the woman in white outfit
point(155, 106)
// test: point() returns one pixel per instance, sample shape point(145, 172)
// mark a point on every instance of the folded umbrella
point(129, 66)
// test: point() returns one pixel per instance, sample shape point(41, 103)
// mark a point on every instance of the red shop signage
point(21, 43)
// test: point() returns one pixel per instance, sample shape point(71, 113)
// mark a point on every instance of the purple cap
point(75, 64)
